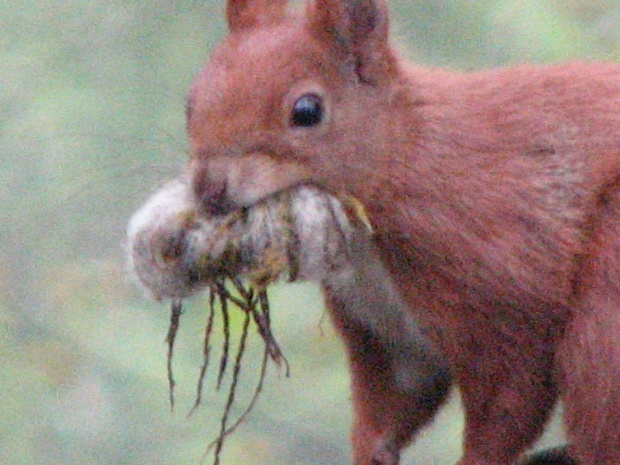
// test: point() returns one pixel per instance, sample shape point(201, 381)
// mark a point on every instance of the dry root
point(255, 306)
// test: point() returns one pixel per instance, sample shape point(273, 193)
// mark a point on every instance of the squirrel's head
point(290, 98)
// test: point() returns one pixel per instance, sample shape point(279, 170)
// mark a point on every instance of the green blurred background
point(92, 99)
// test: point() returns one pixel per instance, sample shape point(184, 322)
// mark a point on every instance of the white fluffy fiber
point(173, 249)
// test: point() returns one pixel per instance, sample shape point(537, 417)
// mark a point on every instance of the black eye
point(307, 111)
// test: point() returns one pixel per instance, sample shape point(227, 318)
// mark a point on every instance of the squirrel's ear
point(357, 28)
point(247, 14)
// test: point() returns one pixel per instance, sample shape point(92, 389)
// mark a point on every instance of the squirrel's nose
point(211, 191)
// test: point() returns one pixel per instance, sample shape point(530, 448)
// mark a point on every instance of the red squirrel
point(495, 201)
point(300, 234)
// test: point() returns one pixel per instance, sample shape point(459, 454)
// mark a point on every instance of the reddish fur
point(494, 196)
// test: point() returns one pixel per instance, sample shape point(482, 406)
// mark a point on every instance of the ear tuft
point(248, 14)
point(357, 28)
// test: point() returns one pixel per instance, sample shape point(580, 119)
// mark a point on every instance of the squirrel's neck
point(456, 193)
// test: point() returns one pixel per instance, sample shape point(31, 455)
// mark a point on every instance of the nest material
point(300, 234)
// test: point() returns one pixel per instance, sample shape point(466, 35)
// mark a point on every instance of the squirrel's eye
point(307, 111)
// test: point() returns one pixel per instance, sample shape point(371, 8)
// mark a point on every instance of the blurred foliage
point(92, 98)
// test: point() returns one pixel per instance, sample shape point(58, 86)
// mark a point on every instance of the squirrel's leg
point(508, 392)
point(589, 355)
point(397, 388)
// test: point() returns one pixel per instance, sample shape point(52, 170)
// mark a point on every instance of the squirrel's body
point(495, 200)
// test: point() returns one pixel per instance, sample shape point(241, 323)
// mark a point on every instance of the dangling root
point(219, 442)
point(262, 318)
point(255, 305)
point(220, 289)
point(257, 391)
point(206, 351)
point(175, 316)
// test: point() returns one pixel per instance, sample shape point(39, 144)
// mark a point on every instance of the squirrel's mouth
point(224, 184)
